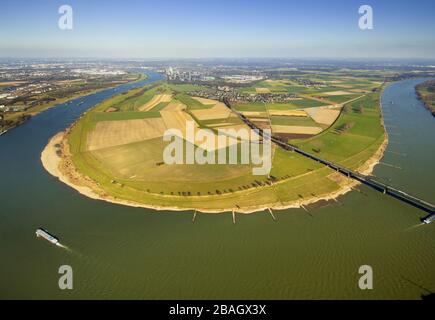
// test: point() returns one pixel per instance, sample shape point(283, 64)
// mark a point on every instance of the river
point(119, 252)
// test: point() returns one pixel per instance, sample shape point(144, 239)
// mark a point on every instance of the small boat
point(429, 219)
point(41, 233)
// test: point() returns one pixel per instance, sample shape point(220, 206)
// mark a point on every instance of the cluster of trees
point(254, 184)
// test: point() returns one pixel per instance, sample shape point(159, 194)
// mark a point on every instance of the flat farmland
point(112, 133)
point(290, 129)
point(121, 116)
point(324, 115)
point(293, 121)
point(357, 129)
point(122, 150)
point(340, 98)
point(218, 111)
point(156, 100)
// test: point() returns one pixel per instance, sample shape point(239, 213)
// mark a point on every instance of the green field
point(293, 121)
point(353, 138)
point(328, 82)
point(340, 99)
point(257, 106)
point(191, 103)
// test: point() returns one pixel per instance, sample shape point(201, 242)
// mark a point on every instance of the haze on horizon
point(224, 28)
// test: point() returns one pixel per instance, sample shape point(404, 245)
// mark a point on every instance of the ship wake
point(414, 227)
point(63, 246)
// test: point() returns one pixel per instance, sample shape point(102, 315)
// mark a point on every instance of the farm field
point(119, 146)
point(322, 97)
point(356, 130)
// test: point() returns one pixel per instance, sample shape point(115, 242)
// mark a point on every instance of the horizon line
point(215, 58)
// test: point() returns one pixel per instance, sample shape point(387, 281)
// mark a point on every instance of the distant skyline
point(210, 29)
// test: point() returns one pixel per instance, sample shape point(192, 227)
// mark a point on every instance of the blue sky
point(211, 28)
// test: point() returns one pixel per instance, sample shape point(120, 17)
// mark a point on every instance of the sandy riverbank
point(56, 159)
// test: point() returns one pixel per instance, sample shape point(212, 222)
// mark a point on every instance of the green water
point(120, 252)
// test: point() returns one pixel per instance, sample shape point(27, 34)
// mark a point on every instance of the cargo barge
point(41, 233)
point(429, 219)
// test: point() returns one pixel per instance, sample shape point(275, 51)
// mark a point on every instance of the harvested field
point(176, 118)
point(205, 101)
point(296, 129)
point(219, 111)
point(337, 93)
point(324, 115)
point(11, 83)
point(114, 133)
point(121, 116)
point(157, 99)
point(222, 124)
point(233, 126)
point(174, 106)
point(260, 119)
point(254, 114)
point(137, 162)
point(262, 90)
point(292, 113)
point(263, 125)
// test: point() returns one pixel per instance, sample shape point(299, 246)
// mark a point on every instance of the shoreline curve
point(56, 160)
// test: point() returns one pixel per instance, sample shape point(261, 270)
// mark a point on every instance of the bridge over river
point(367, 180)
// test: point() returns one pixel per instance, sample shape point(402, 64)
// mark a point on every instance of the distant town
point(29, 87)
